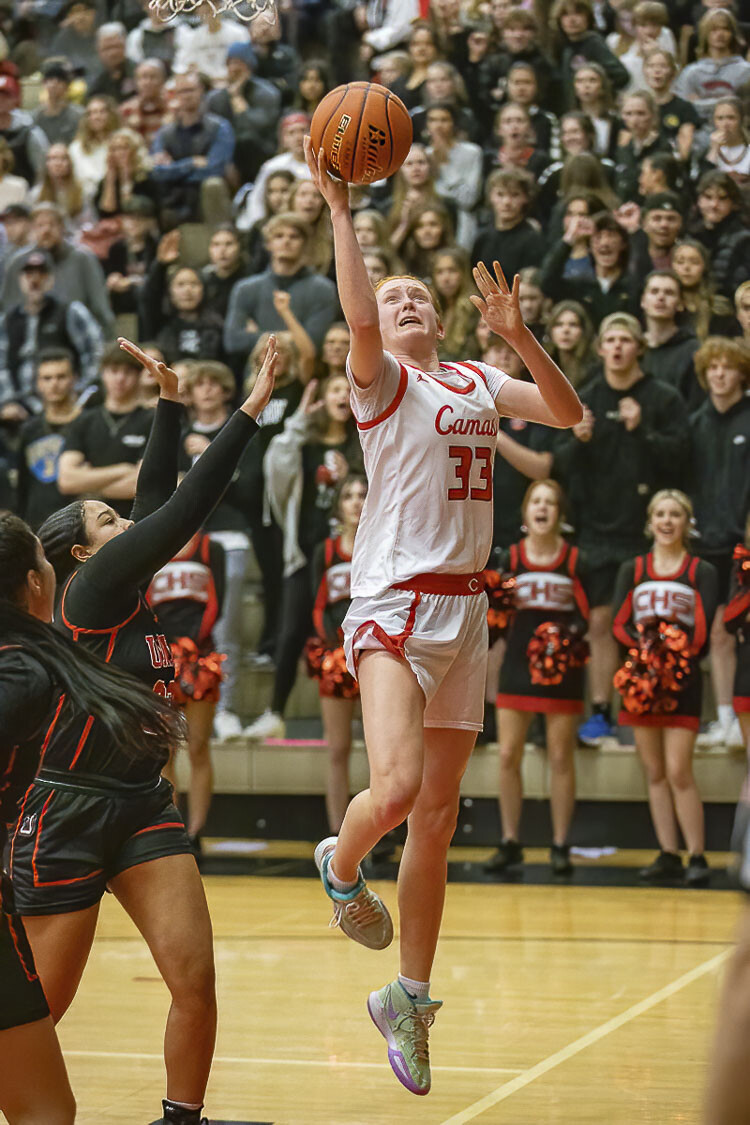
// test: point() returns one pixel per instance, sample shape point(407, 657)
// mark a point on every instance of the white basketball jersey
point(428, 440)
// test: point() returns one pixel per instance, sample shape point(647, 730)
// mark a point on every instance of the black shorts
point(72, 838)
point(21, 996)
point(600, 583)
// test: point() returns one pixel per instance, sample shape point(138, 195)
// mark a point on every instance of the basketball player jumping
point(416, 632)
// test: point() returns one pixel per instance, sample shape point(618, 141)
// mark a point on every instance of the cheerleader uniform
point(187, 593)
point(553, 593)
point(687, 598)
point(332, 574)
point(737, 621)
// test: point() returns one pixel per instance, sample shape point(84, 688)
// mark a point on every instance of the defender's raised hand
point(499, 305)
point(164, 376)
point(258, 398)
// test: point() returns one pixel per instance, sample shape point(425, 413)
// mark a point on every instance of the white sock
point(726, 714)
point(339, 884)
point(417, 989)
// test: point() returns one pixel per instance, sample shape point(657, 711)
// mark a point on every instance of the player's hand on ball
point(258, 398)
point(335, 192)
point(163, 375)
point(499, 305)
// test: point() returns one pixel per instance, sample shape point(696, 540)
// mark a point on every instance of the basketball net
point(245, 10)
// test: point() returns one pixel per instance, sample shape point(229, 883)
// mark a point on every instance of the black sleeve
point(110, 580)
point(75, 435)
point(26, 696)
point(552, 281)
point(217, 562)
point(157, 479)
point(151, 301)
point(668, 438)
point(707, 590)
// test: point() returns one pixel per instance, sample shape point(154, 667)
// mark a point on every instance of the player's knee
point(192, 980)
point(559, 759)
point(198, 751)
point(680, 777)
point(435, 823)
point(391, 804)
point(510, 756)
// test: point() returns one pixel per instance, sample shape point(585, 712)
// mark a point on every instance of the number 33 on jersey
point(428, 440)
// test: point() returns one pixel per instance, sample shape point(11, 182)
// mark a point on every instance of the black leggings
point(295, 626)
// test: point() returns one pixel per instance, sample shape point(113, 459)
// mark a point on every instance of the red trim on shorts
point(686, 722)
point(394, 645)
point(456, 585)
point(535, 703)
point(741, 704)
point(12, 930)
point(396, 402)
point(157, 828)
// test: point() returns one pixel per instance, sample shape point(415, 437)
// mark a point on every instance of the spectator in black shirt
point(642, 125)
point(670, 346)
point(42, 439)
point(631, 441)
point(226, 266)
point(104, 446)
point(41, 320)
point(611, 289)
point(661, 225)
point(191, 331)
point(511, 239)
point(679, 119)
point(116, 78)
point(130, 257)
point(578, 42)
point(722, 230)
point(277, 62)
point(720, 489)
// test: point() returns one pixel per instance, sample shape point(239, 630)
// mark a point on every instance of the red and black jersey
point(332, 577)
point(737, 621)
point(188, 592)
point(103, 606)
point(687, 598)
point(554, 593)
point(28, 701)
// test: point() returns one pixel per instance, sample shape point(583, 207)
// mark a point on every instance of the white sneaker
point(227, 725)
point(735, 737)
point(268, 725)
point(361, 914)
point(714, 735)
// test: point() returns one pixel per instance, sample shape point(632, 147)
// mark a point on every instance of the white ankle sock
point(417, 989)
point(339, 884)
point(726, 714)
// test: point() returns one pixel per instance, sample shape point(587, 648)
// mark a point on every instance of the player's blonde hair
point(412, 277)
point(684, 502)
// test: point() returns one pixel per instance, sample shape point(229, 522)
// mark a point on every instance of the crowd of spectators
point(152, 183)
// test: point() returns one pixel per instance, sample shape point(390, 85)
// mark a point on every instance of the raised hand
point(499, 305)
point(335, 192)
point(258, 398)
point(163, 375)
point(307, 404)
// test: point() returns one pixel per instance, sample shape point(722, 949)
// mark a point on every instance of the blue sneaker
point(595, 730)
point(360, 913)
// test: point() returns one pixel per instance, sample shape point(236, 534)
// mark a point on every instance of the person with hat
point(26, 140)
point(661, 224)
point(76, 271)
point(56, 116)
point(38, 321)
point(251, 105)
point(631, 441)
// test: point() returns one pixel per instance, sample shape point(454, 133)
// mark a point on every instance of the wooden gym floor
point(563, 1004)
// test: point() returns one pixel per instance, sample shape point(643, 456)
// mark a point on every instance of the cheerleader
point(187, 594)
point(551, 604)
point(737, 621)
point(669, 587)
point(332, 566)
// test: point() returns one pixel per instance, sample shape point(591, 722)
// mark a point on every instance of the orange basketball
point(364, 130)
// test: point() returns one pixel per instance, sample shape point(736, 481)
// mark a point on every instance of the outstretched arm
point(157, 478)
point(553, 400)
point(131, 559)
point(355, 291)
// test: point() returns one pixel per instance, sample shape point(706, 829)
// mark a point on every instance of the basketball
point(364, 130)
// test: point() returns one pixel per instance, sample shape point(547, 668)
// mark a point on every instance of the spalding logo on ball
point(364, 130)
